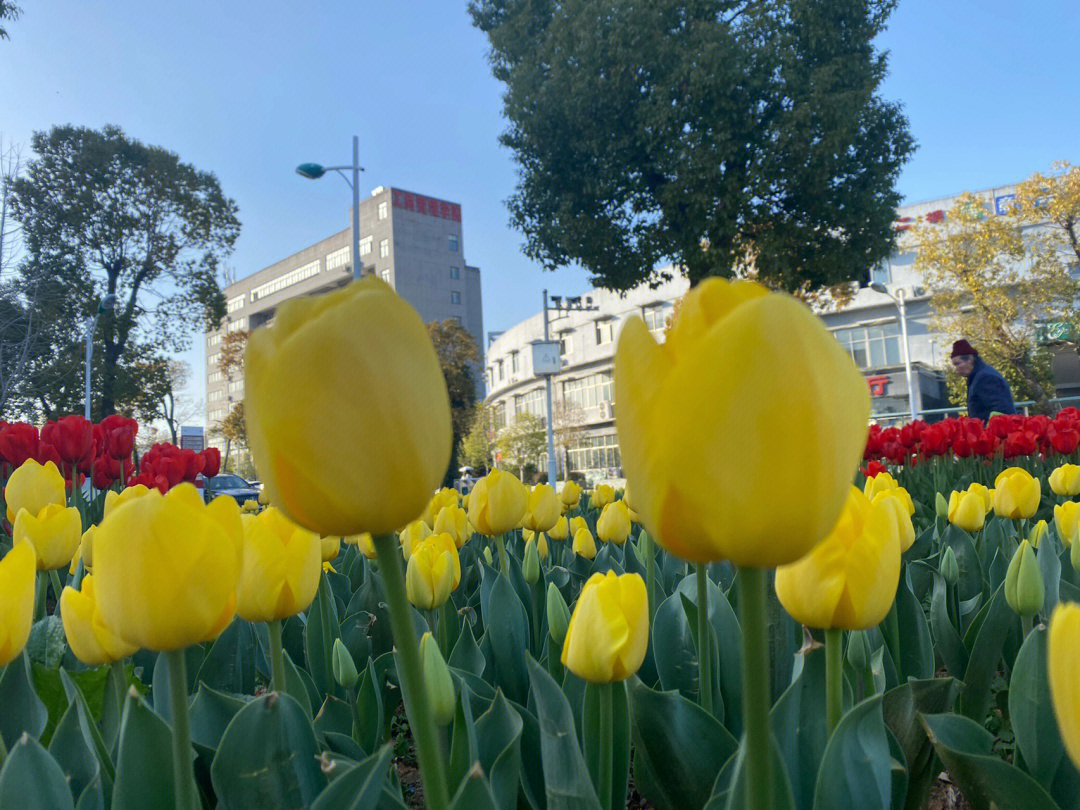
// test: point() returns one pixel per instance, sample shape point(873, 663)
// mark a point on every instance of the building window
point(566, 343)
point(217, 376)
point(499, 369)
point(214, 340)
point(385, 276)
point(872, 346)
point(236, 385)
point(213, 396)
point(453, 243)
point(216, 415)
point(213, 359)
point(382, 210)
point(365, 246)
point(281, 282)
point(590, 391)
point(455, 272)
point(339, 258)
point(456, 318)
point(881, 272)
point(236, 326)
point(596, 453)
point(655, 318)
point(514, 362)
point(384, 248)
point(500, 415)
point(532, 402)
point(234, 304)
point(605, 332)
point(455, 297)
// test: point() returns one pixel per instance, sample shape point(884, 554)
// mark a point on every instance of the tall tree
point(106, 214)
point(459, 357)
point(568, 427)
point(727, 136)
point(477, 448)
point(995, 283)
point(165, 400)
point(522, 441)
point(234, 429)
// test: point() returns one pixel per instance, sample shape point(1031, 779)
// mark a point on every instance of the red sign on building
point(429, 206)
point(877, 383)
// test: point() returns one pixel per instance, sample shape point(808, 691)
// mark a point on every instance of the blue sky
point(250, 89)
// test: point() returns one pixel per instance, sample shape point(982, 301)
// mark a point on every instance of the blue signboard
point(1003, 203)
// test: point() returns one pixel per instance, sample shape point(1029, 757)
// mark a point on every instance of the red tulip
point(873, 468)
point(935, 440)
point(73, 437)
point(193, 463)
point(119, 435)
point(1064, 438)
point(211, 461)
point(18, 442)
point(46, 453)
point(1020, 443)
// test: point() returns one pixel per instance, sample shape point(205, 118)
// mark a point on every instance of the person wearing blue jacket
point(987, 390)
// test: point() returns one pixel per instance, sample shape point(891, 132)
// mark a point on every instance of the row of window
point(872, 346)
point(214, 340)
point(234, 304)
point(281, 282)
point(215, 395)
point(236, 326)
point(590, 391)
point(339, 258)
point(236, 385)
point(213, 359)
point(532, 402)
point(596, 453)
point(216, 376)
point(216, 415)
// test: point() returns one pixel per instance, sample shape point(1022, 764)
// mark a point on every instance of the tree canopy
point(103, 213)
point(726, 137)
point(459, 357)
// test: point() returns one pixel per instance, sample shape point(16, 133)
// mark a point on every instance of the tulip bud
point(941, 506)
point(530, 567)
point(558, 614)
point(487, 556)
point(1036, 533)
point(948, 566)
point(1074, 556)
point(1024, 589)
point(858, 650)
point(437, 681)
point(343, 665)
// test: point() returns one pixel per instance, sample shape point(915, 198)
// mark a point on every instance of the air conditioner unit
point(605, 410)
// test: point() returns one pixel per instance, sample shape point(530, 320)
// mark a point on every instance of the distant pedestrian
point(987, 391)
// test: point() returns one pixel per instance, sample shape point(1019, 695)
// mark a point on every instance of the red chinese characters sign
point(426, 205)
point(877, 383)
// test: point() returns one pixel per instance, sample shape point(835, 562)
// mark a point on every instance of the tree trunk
point(1042, 401)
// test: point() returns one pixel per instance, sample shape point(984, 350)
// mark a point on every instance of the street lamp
point(899, 300)
point(313, 171)
point(105, 305)
point(571, 304)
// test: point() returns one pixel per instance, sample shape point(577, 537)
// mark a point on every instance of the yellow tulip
point(346, 410)
point(250, 507)
point(434, 571)
point(613, 526)
point(882, 482)
point(900, 494)
point(92, 642)
point(87, 548)
point(1063, 662)
point(330, 548)
point(904, 528)
point(33, 487)
point(570, 494)
point(703, 417)
point(543, 509)
point(17, 579)
point(985, 493)
point(328, 568)
point(113, 499)
point(584, 544)
point(1065, 480)
point(561, 529)
point(444, 497)
point(1035, 534)
point(1066, 516)
point(167, 568)
point(54, 534)
point(264, 499)
point(967, 510)
point(849, 580)
point(279, 574)
point(542, 546)
point(497, 503)
point(577, 524)
point(601, 496)
point(454, 521)
point(364, 543)
point(412, 535)
point(608, 632)
point(1016, 493)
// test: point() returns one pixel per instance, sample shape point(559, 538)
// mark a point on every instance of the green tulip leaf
point(344, 745)
point(985, 779)
point(144, 768)
point(23, 711)
point(901, 708)
point(568, 786)
point(72, 752)
point(967, 558)
point(728, 642)
point(91, 732)
point(1050, 568)
point(498, 741)
point(50, 688)
point(370, 712)
point(47, 642)
point(798, 723)
point(985, 656)
point(281, 770)
point(230, 664)
point(474, 793)
point(916, 645)
point(729, 792)
point(532, 770)
point(360, 787)
point(335, 717)
point(463, 753)
point(946, 637)
point(210, 714)
point(679, 748)
point(856, 768)
point(596, 746)
point(32, 780)
point(466, 654)
point(508, 637)
point(323, 628)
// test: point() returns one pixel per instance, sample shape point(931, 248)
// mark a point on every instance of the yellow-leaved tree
point(1003, 282)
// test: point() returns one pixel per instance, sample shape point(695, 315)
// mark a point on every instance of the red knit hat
point(962, 347)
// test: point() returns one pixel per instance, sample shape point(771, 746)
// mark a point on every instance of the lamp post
point(899, 300)
point(575, 305)
point(105, 305)
point(313, 171)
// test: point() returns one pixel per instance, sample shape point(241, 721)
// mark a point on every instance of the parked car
point(232, 485)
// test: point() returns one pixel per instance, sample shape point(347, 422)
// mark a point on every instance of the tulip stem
point(834, 677)
point(187, 797)
point(410, 674)
point(277, 657)
point(54, 578)
point(607, 745)
point(650, 576)
point(705, 680)
point(756, 680)
point(40, 595)
point(892, 638)
point(504, 560)
point(1026, 623)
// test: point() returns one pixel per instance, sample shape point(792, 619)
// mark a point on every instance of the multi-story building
point(868, 327)
point(412, 242)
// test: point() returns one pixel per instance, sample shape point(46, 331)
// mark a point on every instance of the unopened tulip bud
point(941, 506)
point(437, 681)
point(1036, 533)
point(1074, 556)
point(487, 556)
point(343, 665)
point(558, 614)
point(858, 651)
point(530, 566)
point(948, 566)
point(1024, 589)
